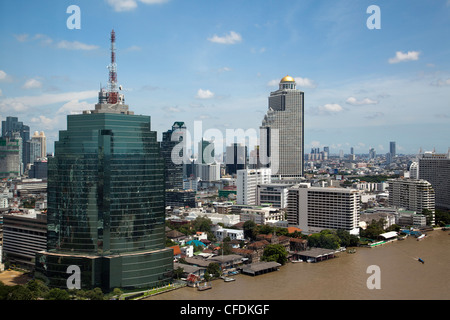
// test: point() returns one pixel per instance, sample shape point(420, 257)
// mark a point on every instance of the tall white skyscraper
point(282, 131)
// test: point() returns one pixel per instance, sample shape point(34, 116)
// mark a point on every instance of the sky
point(213, 64)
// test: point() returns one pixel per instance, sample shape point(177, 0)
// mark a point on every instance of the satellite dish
point(120, 87)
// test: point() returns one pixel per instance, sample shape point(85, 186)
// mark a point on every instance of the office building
point(10, 156)
point(24, 234)
point(172, 152)
point(313, 209)
point(273, 194)
point(282, 131)
point(236, 158)
point(435, 168)
point(247, 182)
point(11, 125)
point(42, 139)
point(392, 149)
point(106, 211)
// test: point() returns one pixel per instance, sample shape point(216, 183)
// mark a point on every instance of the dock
point(316, 254)
point(258, 268)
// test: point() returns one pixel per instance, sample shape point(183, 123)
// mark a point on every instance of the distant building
point(273, 194)
point(10, 156)
point(236, 158)
point(314, 209)
point(172, 151)
point(11, 125)
point(261, 215)
point(247, 183)
point(180, 198)
point(39, 170)
point(435, 168)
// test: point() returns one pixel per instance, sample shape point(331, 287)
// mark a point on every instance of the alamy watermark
point(268, 145)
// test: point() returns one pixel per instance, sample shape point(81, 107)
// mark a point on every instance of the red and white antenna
point(113, 93)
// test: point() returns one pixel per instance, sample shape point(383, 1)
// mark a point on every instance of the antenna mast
point(112, 83)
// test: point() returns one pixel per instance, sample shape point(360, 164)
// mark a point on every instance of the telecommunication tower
point(113, 92)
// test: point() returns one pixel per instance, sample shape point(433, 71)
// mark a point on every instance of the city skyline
point(194, 61)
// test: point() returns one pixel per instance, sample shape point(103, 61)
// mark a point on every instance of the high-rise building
point(40, 136)
point(392, 149)
point(435, 168)
point(236, 158)
point(314, 209)
point(247, 182)
point(172, 152)
point(282, 131)
point(11, 156)
point(205, 151)
point(412, 194)
point(106, 210)
point(11, 125)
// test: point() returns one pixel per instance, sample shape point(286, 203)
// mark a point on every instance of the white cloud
point(32, 84)
point(75, 45)
point(329, 108)
point(441, 83)
point(409, 56)
point(43, 122)
point(353, 101)
point(230, 38)
point(224, 69)
point(21, 104)
point(305, 82)
point(128, 5)
point(75, 107)
point(3, 76)
point(153, 1)
point(21, 37)
point(204, 94)
point(122, 5)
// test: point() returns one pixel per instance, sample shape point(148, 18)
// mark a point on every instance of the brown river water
point(401, 276)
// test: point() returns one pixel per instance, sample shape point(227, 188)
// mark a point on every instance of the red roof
point(176, 250)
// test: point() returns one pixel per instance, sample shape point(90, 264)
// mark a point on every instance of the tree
point(202, 224)
point(324, 239)
point(57, 294)
point(37, 288)
point(275, 252)
point(214, 269)
point(249, 229)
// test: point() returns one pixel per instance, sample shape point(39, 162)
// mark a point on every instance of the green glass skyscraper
point(106, 202)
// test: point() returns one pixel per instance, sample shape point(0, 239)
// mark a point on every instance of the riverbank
point(345, 277)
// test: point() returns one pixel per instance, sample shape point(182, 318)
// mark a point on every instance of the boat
point(420, 237)
point(295, 261)
point(205, 286)
point(228, 279)
point(420, 260)
point(310, 260)
point(351, 250)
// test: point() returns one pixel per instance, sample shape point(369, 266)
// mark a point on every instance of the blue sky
point(217, 62)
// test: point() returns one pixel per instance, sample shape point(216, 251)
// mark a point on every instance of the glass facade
point(106, 204)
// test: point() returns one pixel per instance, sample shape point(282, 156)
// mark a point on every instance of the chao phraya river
point(402, 276)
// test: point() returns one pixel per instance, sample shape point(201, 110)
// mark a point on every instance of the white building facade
point(313, 209)
point(247, 183)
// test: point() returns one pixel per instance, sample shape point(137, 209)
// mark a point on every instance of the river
point(401, 276)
